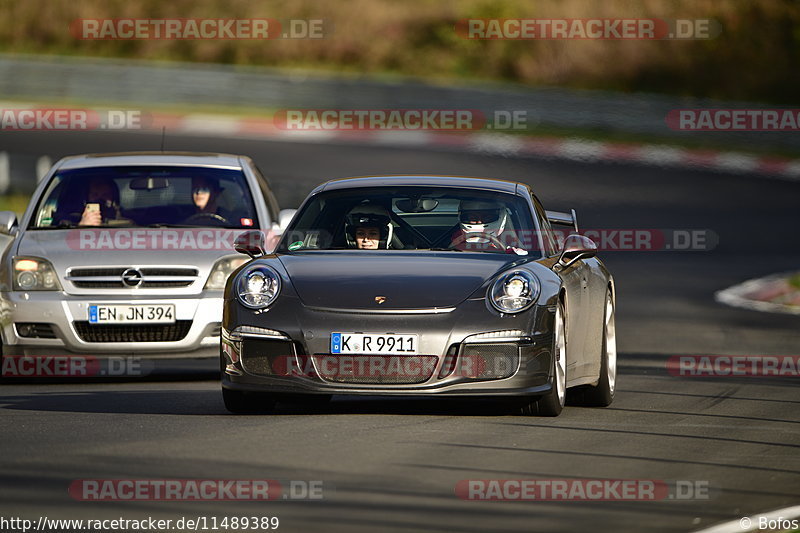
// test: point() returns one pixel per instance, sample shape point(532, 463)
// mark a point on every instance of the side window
point(44, 216)
point(548, 238)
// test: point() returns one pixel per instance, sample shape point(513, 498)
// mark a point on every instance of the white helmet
point(369, 216)
point(482, 216)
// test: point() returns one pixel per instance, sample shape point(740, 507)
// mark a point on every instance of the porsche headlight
point(34, 274)
point(222, 269)
point(257, 286)
point(514, 292)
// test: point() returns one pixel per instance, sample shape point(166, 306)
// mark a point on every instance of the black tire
point(552, 403)
point(240, 402)
point(602, 394)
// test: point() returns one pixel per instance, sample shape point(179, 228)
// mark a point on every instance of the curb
point(741, 295)
point(572, 149)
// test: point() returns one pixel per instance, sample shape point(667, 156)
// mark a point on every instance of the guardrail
point(144, 82)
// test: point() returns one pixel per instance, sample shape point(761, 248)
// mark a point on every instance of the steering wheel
point(198, 217)
point(469, 234)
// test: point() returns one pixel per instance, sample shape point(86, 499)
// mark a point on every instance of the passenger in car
point(98, 204)
point(102, 203)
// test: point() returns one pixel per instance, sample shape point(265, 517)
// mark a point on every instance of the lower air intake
point(375, 369)
point(134, 333)
point(488, 361)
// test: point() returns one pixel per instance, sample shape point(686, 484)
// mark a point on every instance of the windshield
point(146, 196)
point(413, 218)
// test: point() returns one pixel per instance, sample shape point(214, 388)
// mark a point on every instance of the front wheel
point(552, 403)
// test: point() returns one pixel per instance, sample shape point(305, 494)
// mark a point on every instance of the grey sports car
point(420, 285)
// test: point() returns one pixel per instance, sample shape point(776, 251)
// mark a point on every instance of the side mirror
point(576, 247)
point(250, 243)
point(8, 222)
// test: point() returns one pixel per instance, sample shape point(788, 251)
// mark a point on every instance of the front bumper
point(457, 345)
point(64, 318)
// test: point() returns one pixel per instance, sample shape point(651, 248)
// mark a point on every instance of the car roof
point(153, 158)
point(488, 184)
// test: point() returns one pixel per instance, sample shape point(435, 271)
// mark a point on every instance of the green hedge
point(754, 58)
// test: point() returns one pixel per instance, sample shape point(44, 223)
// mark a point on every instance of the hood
point(422, 280)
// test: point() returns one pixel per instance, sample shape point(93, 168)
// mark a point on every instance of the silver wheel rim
point(561, 358)
point(611, 345)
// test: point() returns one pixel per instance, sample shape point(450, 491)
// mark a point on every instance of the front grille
point(152, 277)
point(267, 357)
point(87, 272)
point(115, 273)
point(488, 361)
point(35, 330)
point(184, 273)
point(375, 369)
point(132, 333)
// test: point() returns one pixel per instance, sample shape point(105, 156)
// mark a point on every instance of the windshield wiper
point(443, 249)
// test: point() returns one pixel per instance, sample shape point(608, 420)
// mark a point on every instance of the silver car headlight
point(34, 274)
point(222, 269)
point(257, 286)
point(514, 292)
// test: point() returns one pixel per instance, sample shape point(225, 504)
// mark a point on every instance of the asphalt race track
point(393, 465)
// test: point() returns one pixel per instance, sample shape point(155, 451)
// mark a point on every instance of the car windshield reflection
point(413, 218)
point(139, 196)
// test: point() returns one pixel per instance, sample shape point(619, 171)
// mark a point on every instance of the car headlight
point(257, 286)
point(222, 269)
point(34, 274)
point(514, 292)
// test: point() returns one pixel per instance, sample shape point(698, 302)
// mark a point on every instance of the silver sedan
point(128, 254)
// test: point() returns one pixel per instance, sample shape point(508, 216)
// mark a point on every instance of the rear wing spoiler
point(563, 219)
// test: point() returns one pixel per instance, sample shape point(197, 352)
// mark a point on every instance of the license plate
point(132, 314)
point(374, 343)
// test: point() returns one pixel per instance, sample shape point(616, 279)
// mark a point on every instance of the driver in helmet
point(481, 227)
point(368, 227)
